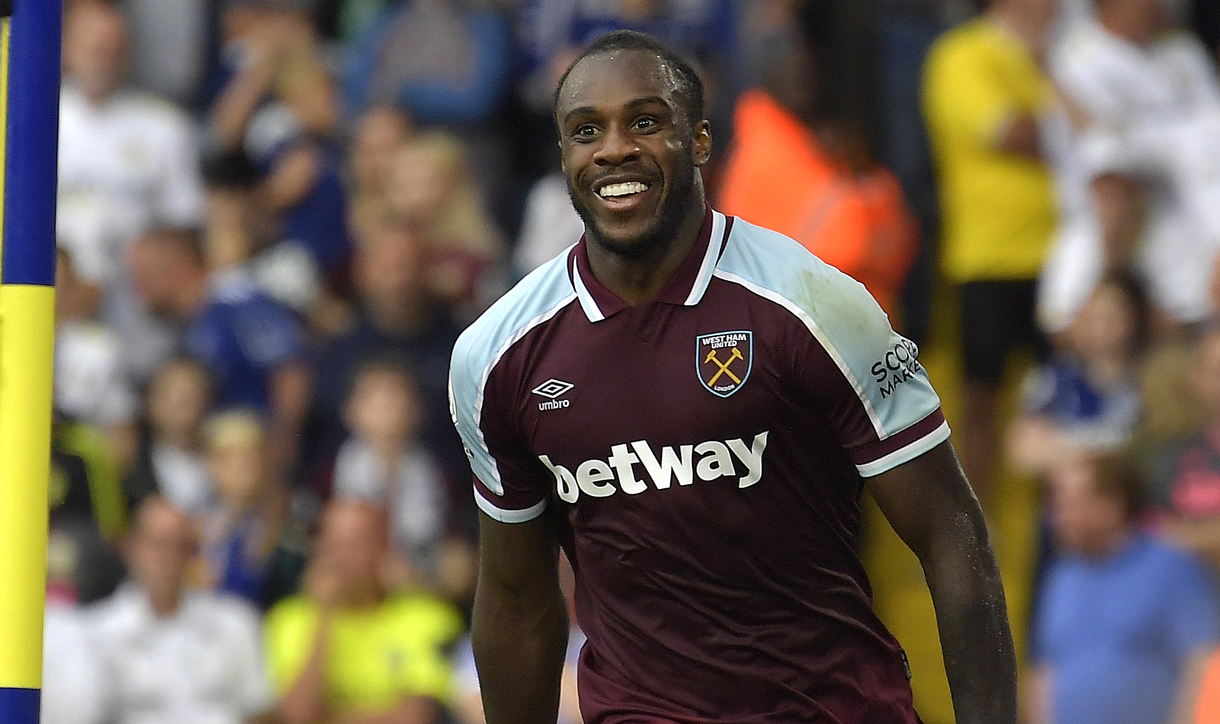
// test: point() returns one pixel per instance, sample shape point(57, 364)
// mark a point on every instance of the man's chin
point(625, 243)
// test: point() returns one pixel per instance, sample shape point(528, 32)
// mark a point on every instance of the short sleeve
point(509, 483)
point(287, 637)
point(431, 629)
point(867, 378)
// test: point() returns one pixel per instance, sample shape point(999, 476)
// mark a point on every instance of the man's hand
point(933, 509)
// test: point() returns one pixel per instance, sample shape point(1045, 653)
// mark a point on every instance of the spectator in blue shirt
point(252, 345)
point(1125, 623)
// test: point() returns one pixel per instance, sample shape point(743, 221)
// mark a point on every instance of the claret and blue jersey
point(703, 455)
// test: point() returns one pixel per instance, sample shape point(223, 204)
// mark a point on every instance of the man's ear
point(701, 148)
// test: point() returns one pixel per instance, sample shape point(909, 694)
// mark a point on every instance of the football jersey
point(702, 457)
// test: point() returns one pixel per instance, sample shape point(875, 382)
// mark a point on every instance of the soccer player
point(691, 406)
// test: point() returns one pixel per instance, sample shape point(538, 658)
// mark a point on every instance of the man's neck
point(165, 605)
point(398, 320)
point(1012, 19)
point(1125, 27)
point(639, 280)
point(1113, 544)
point(191, 296)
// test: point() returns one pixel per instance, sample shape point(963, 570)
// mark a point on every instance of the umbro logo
point(552, 389)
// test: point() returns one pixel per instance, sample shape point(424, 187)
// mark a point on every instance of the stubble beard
point(662, 233)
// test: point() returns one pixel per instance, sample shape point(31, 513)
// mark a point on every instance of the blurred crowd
point(275, 217)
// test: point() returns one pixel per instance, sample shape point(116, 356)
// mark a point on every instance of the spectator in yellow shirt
point(985, 94)
point(350, 652)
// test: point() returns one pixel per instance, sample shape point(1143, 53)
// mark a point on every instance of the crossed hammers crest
point(724, 366)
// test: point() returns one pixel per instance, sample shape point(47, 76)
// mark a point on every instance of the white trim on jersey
point(587, 303)
point(710, 258)
point(706, 269)
point(904, 454)
point(540, 296)
point(496, 485)
point(508, 516)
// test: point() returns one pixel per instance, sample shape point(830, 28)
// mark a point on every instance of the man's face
point(1085, 520)
point(95, 48)
point(162, 548)
point(628, 151)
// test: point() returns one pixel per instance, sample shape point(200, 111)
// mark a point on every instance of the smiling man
point(691, 407)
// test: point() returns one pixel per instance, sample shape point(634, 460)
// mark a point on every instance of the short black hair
point(689, 89)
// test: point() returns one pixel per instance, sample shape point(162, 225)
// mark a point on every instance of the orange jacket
point(1208, 709)
point(778, 176)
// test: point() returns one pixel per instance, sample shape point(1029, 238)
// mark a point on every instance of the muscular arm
point(933, 509)
point(520, 626)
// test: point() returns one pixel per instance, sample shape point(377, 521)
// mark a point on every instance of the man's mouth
point(618, 190)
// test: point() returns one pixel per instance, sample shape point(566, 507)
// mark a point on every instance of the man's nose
point(618, 146)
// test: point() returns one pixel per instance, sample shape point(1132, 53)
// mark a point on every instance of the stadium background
point(275, 215)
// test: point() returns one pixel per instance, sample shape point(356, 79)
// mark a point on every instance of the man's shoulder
point(778, 268)
point(968, 39)
point(532, 301)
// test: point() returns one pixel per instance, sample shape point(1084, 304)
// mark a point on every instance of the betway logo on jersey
point(636, 467)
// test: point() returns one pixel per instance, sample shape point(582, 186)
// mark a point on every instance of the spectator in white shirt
point(91, 384)
point(72, 691)
point(1145, 102)
point(127, 160)
point(171, 654)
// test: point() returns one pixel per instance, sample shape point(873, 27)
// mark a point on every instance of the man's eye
point(585, 131)
point(645, 123)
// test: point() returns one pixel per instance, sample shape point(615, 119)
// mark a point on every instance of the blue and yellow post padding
point(29, 106)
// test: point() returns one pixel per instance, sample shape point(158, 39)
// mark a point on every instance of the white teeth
point(623, 189)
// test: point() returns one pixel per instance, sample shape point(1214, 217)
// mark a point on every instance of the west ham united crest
point(723, 361)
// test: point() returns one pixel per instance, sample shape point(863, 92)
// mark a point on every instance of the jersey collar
point(686, 287)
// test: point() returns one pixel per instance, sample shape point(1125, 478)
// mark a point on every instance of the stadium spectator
point(376, 137)
point(1185, 472)
point(171, 46)
point(281, 110)
point(171, 462)
point(1140, 167)
point(445, 62)
point(1208, 709)
point(793, 170)
point(91, 383)
point(431, 188)
point(250, 343)
point(166, 281)
point(72, 690)
point(127, 161)
point(348, 649)
point(169, 653)
point(383, 463)
point(250, 548)
point(549, 224)
point(87, 516)
point(1086, 398)
point(985, 95)
point(1126, 623)
point(395, 316)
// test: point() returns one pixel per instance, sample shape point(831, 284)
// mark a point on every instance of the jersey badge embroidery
point(723, 361)
point(551, 390)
